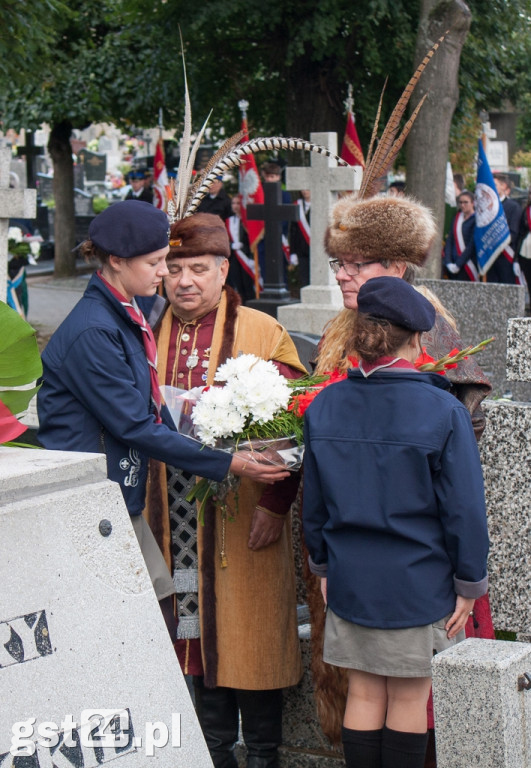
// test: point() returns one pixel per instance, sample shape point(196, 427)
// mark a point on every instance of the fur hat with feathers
point(198, 235)
point(395, 228)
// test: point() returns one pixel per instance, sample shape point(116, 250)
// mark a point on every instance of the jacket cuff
point(471, 589)
point(269, 513)
point(318, 570)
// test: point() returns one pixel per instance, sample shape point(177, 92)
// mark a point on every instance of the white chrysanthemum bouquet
point(250, 407)
point(253, 394)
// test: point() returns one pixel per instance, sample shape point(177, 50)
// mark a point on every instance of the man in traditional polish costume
point(237, 631)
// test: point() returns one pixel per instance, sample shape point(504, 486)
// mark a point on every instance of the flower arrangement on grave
point(22, 247)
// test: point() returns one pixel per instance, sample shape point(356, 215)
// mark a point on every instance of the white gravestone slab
point(321, 300)
point(80, 626)
point(14, 203)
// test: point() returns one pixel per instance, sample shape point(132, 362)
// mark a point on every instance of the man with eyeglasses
point(459, 258)
point(237, 625)
point(373, 238)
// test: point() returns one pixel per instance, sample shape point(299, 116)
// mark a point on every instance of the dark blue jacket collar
point(403, 374)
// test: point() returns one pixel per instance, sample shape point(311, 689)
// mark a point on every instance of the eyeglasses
point(352, 268)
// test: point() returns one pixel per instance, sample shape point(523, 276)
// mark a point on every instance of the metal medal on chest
point(192, 360)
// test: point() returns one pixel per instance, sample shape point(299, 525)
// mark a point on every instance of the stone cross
point(14, 203)
point(273, 212)
point(324, 178)
point(321, 300)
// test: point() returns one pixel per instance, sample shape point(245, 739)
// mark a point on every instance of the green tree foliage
point(291, 60)
point(27, 30)
point(119, 61)
point(84, 74)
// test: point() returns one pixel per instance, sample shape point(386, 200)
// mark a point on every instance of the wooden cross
point(273, 212)
point(14, 203)
point(324, 178)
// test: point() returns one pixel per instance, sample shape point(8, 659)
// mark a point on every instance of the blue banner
point(491, 235)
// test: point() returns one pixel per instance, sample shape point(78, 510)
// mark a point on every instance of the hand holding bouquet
point(256, 413)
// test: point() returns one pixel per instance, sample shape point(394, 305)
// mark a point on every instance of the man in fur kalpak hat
point(370, 238)
point(237, 624)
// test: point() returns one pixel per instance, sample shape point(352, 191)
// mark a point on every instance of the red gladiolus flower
point(424, 358)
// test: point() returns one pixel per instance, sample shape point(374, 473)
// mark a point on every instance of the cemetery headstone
point(482, 310)
point(94, 165)
point(14, 203)
point(79, 176)
point(82, 203)
point(88, 672)
point(45, 186)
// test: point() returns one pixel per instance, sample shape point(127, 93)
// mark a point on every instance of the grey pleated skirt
point(390, 652)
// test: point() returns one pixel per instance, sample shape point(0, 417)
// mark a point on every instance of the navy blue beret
point(130, 228)
point(398, 302)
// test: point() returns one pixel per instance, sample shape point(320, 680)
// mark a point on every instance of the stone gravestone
point(88, 673)
point(321, 300)
point(14, 203)
point(83, 203)
point(483, 310)
point(110, 145)
point(94, 165)
point(45, 186)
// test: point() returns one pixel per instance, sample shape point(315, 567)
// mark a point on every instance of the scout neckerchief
point(150, 347)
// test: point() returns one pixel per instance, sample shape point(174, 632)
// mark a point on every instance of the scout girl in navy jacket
point(100, 391)
point(394, 521)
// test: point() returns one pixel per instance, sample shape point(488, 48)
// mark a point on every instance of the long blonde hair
point(337, 344)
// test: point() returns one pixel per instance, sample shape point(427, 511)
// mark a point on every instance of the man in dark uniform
point(217, 202)
point(138, 190)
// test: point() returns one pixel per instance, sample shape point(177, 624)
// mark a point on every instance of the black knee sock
point(362, 748)
point(403, 750)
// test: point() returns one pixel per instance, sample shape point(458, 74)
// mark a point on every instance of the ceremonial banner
point(449, 189)
point(351, 150)
point(491, 235)
point(251, 191)
point(160, 177)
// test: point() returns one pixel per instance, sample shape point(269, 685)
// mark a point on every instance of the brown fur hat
point(395, 228)
point(199, 235)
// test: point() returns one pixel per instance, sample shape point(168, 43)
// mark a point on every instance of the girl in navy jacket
point(100, 390)
point(394, 521)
